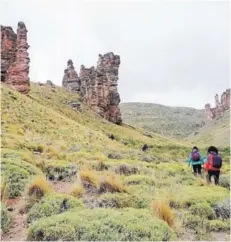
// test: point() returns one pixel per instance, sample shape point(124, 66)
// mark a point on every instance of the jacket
point(190, 161)
point(208, 162)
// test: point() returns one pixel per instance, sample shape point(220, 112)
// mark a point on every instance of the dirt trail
point(18, 226)
point(61, 187)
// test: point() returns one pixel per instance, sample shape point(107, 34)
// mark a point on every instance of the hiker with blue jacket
point(196, 160)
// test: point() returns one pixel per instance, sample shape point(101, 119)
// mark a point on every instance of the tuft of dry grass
point(111, 183)
point(77, 191)
point(164, 212)
point(89, 177)
point(38, 188)
point(4, 192)
point(201, 182)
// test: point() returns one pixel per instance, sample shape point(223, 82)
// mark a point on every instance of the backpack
point(195, 156)
point(216, 161)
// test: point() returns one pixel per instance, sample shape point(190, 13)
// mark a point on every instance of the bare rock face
point(221, 105)
point(97, 87)
point(70, 79)
point(8, 50)
point(15, 59)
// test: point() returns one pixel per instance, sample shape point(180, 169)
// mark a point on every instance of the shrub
point(113, 200)
point(77, 191)
point(60, 170)
point(52, 204)
point(112, 184)
point(222, 208)
point(124, 169)
point(139, 179)
point(116, 156)
point(224, 181)
point(164, 212)
point(194, 221)
point(89, 178)
point(5, 218)
point(218, 225)
point(102, 225)
point(202, 210)
point(16, 175)
point(38, 188)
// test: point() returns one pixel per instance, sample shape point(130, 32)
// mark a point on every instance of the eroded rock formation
point(70, 79)
point(98, 86)
point(221, 105)
point(15, 58)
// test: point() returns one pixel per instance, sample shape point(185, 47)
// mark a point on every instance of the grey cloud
point(163, 45)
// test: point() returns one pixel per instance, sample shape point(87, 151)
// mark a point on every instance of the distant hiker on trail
point(196, 159)
point(145, 147)
point(213, 164)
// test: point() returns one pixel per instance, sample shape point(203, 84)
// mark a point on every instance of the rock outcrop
point(97, 87)
point(221, 105)
point(70, 79)
point(15, 58)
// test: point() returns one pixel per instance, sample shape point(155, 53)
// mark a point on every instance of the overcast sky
point(172, 52)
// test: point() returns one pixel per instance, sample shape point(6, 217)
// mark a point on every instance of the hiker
point(213, 164)
point(145, 147)
point(196, 159)
point(111, 136)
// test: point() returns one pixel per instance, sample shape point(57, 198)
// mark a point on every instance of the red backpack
point(214, 162)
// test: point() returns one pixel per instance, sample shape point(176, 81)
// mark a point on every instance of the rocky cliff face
point(221, 105)
point(97, 87)
point(15, 58)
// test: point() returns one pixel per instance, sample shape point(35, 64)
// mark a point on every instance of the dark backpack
point(195, 156)
point(216, 161)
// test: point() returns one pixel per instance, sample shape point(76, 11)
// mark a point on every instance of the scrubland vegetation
point(107, 189)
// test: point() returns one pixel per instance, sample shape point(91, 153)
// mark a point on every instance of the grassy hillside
point(215, 132)
point(68, 181)
point(175, 122)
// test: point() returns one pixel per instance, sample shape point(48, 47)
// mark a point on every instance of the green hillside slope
point(215, 132)
point(69, 181)
point(175, 122)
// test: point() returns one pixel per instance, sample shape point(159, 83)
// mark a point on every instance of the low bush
point(222, 208)
point(125, 169)
point(218, 225)
point(16, 175)
point(224, 181)
point(52, 204)
point(5, 218)
point(164, 212)
point(101, 225)
point(60, 170)
point(202, 210)
point(113, 200)
point(139, 179)
point(194, 221)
